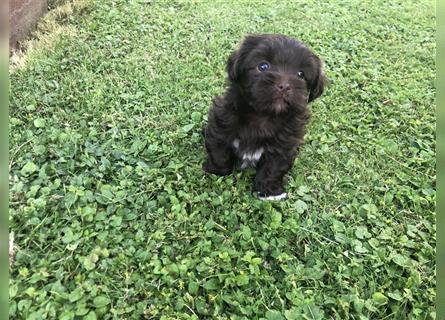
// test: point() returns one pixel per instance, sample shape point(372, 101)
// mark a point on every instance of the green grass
point(113, 217)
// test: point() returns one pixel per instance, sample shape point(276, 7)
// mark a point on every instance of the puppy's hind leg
point(220, 156)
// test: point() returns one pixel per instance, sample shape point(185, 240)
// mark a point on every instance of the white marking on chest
point(254, 156)
point(248, 158)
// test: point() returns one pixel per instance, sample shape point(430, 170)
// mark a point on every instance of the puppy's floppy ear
point(319, 82)
point(236, 60)
point(233, 66)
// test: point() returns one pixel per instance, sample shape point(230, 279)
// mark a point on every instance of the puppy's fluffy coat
point(260, 120)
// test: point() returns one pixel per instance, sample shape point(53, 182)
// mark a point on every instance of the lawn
point(113, 217)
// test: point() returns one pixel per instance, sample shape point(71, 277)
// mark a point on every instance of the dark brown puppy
point(260, 120)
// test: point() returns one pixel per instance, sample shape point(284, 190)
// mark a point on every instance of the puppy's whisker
point(269, 81)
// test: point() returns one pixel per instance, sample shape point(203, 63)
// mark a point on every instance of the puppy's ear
point(234, 66)
point(320, 81)
point(235, 62)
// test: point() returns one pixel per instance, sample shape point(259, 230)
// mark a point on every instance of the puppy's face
point(276, 73)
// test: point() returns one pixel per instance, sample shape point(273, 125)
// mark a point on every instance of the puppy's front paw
point(263, 196)
point(267, 190)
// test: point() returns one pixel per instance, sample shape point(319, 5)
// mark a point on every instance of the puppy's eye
point(300, 74)
point(263, 66)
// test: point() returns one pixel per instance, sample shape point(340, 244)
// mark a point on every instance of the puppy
point(260, 120)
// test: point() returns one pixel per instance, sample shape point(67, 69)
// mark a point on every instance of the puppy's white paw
point(277, 197)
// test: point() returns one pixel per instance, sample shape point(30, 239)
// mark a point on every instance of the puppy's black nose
point(284, 86)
